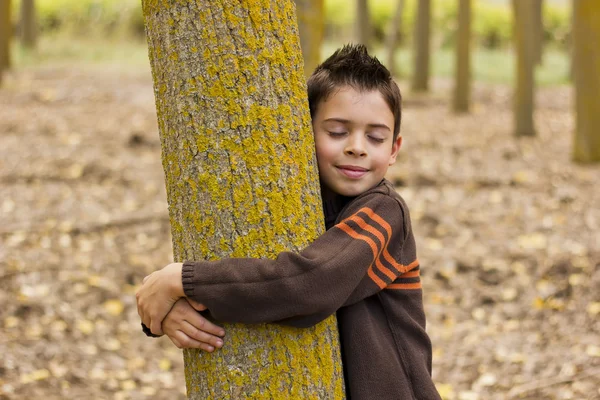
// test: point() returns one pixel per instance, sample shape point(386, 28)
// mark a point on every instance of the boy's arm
point(357, 258)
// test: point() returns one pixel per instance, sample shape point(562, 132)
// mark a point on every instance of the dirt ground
point(507, 232)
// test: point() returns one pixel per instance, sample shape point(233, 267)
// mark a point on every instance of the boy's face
point(354, 140)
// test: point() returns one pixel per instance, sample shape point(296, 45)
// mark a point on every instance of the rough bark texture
point(27, 25)
point(392, 38)
point(363, 23)
point(421, 46)
point(586, 35)
point(5, 34)
point(524, 93)
point(311, 21)
point(462, 89)
point(241, 177)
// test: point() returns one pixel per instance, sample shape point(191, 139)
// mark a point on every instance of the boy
point(363, 268)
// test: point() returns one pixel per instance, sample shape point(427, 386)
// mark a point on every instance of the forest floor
point(507, 231)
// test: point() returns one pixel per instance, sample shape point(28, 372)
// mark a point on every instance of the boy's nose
point(355, 147)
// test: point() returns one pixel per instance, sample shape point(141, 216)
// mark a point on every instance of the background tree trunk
point(421, 46)
point(538, 31)
point(462, 88)
point(586, 36)
point(363, 23)
point(5, 35)
point(392, 38)
point(241, 177)
point(27, 25)
point(311, 21)
point(524, 93)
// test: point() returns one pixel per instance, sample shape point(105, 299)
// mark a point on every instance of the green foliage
point(491, 22)
point(88, 17)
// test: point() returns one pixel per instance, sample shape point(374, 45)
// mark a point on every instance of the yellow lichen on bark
point(241, 177)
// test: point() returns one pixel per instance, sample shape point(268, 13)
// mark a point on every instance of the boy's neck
point(333, 203)
point(328, 195)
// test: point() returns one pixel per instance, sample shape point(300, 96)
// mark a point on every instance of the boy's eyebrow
point(347, 121)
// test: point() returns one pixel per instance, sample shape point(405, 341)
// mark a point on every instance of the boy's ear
point(395, 148)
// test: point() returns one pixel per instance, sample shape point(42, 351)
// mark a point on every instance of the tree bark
point(363, 23)
point(5, 36)
point(524, 93)
point(586, 36)
point(462, 88)
point(27, 26)
point(311, 20)
point(421, 46)
point(392, 38)
point(241, 177)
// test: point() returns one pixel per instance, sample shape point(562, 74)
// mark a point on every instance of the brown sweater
point(365, 269)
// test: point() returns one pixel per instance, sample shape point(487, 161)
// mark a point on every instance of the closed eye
point(337, 134)
point(377, 139)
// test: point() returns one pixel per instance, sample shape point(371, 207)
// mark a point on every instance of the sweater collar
point(333, 204)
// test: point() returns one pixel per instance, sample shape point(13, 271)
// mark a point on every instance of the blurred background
point(499, 167)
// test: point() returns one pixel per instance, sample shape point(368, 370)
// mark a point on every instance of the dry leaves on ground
point(507, 234)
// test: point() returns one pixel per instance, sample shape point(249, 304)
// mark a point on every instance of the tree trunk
point(5, 34)
point(392, 38)
point(586, 36)
point(310, 24)
point(241, 177)
point(524, 93)
point(538, 31)
point(462, 89)
point(27, 26)
point(363, 23)
point(421, 46)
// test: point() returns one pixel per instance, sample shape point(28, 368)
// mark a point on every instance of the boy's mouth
point(352, 171)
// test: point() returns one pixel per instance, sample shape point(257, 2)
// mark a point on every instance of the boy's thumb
point(197, 306)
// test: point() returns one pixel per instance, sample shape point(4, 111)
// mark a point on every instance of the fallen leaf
point(165, 364)
point(114, 307)
point(445, 390)
point(34, 376)
point(85, 326)
point(533, 241)
point(593, 308)
point(592, 350)
point(11, 322)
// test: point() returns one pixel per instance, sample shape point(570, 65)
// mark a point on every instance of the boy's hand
point(159, 291)
point(187, 329)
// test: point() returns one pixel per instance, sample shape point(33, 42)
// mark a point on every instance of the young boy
point(364, 267)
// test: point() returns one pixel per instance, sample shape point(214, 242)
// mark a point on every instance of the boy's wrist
point(174, 279)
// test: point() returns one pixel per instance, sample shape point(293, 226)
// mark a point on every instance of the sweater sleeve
point(356, 258)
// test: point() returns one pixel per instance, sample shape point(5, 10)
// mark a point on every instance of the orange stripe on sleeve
point(398, 286)
point(411, 274)
point(378, 281)
point(361, 222)
point(399, 267)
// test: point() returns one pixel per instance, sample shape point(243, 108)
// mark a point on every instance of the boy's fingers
point(183, 341)
point(200, 323)
point(155, 327)
point(201, 336)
